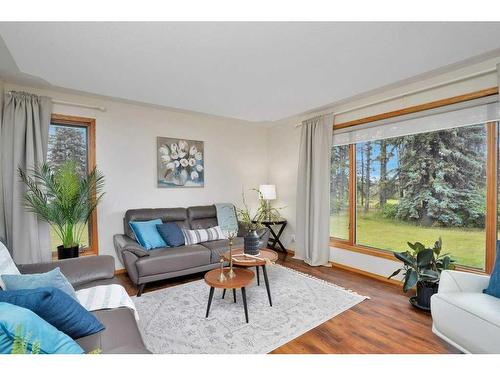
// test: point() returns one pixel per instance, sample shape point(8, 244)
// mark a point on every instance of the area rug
point(172, 320)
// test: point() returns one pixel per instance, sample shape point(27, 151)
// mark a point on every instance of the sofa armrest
point(457, 281)
point(78, 271)
point(125, 243)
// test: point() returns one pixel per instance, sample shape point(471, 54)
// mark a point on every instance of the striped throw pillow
point(7, 266)
point(202, 235)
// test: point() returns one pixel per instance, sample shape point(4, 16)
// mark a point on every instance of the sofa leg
point(141, 289)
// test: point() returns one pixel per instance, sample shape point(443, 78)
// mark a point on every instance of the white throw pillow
point(7, 265)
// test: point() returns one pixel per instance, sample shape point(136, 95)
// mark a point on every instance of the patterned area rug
point(172, 320)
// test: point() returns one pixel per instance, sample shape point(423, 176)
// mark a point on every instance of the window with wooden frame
point(419, 179)
point(73, 138)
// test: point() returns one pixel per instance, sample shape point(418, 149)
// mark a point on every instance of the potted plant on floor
point(422, 268)
point(64, 199)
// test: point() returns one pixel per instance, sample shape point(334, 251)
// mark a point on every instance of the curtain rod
point(73, 104)
point(410, 92)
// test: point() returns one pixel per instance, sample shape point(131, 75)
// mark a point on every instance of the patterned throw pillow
point(203, 235)
point(7, 266)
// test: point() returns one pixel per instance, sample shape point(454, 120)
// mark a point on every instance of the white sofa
point(463, 315)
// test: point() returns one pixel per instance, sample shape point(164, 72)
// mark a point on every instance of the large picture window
point(419, 187)
point(73, 138)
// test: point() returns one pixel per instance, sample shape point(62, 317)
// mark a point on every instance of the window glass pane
point(68, 143)
point(339, 192)
point(422, 187)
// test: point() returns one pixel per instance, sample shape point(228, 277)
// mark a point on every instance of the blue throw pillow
point(171, 234)
point(147, 234)
point(493, 288)
point(34, 329)
point(52, 278)
point(57, 308)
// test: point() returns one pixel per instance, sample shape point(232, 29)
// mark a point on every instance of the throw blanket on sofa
point(105, 297)
point(226, 217)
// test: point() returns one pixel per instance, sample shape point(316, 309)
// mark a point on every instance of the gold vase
point(231, 274)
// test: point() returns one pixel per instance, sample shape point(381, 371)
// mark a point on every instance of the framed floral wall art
point(180, 163)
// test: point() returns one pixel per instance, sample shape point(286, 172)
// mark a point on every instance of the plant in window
point(64, 199)
point(422, 267)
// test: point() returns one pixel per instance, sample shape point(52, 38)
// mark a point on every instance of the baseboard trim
point(366, 273)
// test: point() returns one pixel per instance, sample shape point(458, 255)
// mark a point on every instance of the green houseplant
point(422, 268)
point(64, 199)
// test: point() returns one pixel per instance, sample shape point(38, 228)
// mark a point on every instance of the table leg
point(223, 293)
point(280, 232)
point(244, 295)
point(258, 275)
point(234, 295)
point(267, 285)
point(210, 296)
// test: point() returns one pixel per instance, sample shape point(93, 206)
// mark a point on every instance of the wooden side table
point(274, 237)
point(240, 260)
point(240, 281)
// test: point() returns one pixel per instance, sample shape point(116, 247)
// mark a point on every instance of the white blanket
point(105, 297)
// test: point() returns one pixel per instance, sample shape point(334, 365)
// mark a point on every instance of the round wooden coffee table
point(240, 281)
point(240, 260)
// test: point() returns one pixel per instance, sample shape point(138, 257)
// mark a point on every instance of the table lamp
point(268, 193)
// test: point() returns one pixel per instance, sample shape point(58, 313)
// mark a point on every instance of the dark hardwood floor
point(386, 323)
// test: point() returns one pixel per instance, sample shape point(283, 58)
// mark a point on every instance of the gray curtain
point(24, 139)
point(313, 191)
point(3, 229)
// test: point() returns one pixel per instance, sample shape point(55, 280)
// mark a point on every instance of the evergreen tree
point(68, 143)
point(444, 177)
point(339, 177)
point(368, 169)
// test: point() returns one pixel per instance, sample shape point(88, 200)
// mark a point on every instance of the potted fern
point(64, 199)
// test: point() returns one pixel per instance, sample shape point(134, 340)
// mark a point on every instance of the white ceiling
point(251, 71)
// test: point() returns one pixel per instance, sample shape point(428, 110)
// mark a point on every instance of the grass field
point(467, 245)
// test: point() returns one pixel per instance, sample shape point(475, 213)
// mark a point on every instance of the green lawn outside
point(55, 241)
point(467, 245)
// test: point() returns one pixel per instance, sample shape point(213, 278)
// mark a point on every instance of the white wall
point(284, 138)
point(235, 157)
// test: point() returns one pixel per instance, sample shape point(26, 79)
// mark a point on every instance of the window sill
point(344, 245)
point(85, 253)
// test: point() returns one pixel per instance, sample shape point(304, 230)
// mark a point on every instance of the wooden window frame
point(491, 180)
point(89, 124)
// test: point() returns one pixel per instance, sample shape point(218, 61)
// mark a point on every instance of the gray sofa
point(121, 334)
point(145, 266)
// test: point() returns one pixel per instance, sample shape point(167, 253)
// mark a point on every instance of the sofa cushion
point(15, 320)
point(467, 320)
point(120, 336)
point(493, 288)
point(173, 259)
point(217, 248)
point(202, 235)
point(53, 278)
point(57, 308)
point(147, 234)
point(167, 215)
point(7, 266)
point(480, 305)
point(171, 234)
point(202, 217)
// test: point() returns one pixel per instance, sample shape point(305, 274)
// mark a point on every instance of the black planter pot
point(425, 291)
point(67, 252)
point(252, 243)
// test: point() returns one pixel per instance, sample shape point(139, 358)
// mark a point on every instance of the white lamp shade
point(268, 192)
